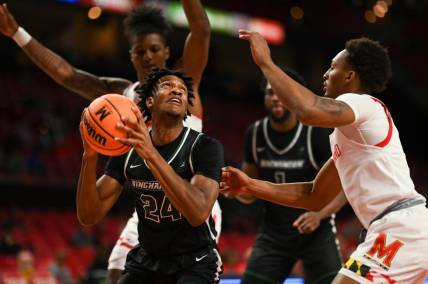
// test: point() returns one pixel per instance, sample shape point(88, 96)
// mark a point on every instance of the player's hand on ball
point(233, 181)
point(8, 25)
point(138, 134)
point(259, 47)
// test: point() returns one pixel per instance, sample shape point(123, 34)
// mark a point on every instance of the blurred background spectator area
point(41, 149)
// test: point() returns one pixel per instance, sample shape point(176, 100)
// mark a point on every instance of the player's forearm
point(88, 202)
point(186, 198)
point(197, 17)
point(335, 205)
point(82, 83)
point(287, 194)
point(296, 97)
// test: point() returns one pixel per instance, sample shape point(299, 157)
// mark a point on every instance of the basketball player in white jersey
point(147, 31)
point(368, 163)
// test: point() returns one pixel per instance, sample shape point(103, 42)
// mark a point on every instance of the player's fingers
point(225, 176)
point(232, 170)
point(138, 114)
point(298, 221)
point(244, 32)
point(128, 141)
point(131, 132)
point(127, 121)
point(300, 229)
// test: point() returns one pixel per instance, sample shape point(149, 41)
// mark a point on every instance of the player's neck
point(165, 131)
point(284, 126)
point(141, 76)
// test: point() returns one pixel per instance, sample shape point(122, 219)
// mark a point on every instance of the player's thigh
point(113, 276)
point(392, 249)
point(321, 259)
point(342, 279)
point(267, 264)
point(206, 269)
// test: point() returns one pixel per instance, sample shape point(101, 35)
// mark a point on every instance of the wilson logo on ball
point(93, 133)
point(103, 113)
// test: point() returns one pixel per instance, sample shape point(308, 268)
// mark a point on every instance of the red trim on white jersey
point(385, 141)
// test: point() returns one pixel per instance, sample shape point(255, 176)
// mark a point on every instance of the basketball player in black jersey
point(174, 173)
point(279, 149)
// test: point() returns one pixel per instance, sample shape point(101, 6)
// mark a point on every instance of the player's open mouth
point(175, 101)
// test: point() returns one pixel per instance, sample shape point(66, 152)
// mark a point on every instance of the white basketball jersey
point(373, 174)
point(191, 121)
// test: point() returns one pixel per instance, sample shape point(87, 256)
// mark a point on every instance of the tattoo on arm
point(82, 81)
point(333, 107)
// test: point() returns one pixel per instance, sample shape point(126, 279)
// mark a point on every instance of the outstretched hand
point(233, 181)
point(259, 47)
point(8, 25)
point(307, 222)
point(138, 134)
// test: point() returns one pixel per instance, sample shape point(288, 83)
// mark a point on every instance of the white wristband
point(21, 37)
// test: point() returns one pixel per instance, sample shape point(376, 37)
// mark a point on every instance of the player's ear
point(167, 53)
point(350, 75)
point(149, 102)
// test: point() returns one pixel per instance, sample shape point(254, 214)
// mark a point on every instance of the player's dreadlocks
point(150, 87)
point(145, 20)
point(371, 62)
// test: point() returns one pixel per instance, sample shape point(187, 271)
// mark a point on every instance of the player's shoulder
point(354, 97)
point(203, 138)
point(255, 125)
point(204, 141)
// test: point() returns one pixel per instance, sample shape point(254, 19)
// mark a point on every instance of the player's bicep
point(327, 183)
point(327, 112)
point(116, 85)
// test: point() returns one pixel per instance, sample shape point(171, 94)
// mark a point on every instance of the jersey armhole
point(192, 169)
point(310, 150)
point(254, 142)
point(126, 163)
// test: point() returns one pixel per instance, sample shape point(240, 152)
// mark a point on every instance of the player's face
point(275, 109)
point(171, 96)
point(148, 52)
point(336, 78)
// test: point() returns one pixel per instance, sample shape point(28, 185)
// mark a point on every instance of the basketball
point(99, 123)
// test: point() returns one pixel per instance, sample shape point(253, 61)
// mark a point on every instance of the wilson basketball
point(99, 123)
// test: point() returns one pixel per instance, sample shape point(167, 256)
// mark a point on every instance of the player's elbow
point(65, 72)
point(86, 220)
point(306, 115)
point(198, 219)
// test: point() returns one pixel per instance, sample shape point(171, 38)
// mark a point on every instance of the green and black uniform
point(292, 156)
point(170, 250)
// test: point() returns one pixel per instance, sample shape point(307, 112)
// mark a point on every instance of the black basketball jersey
point(162, 230)
point(283, 157)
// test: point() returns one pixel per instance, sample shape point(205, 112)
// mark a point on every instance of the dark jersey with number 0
point(285, 157)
